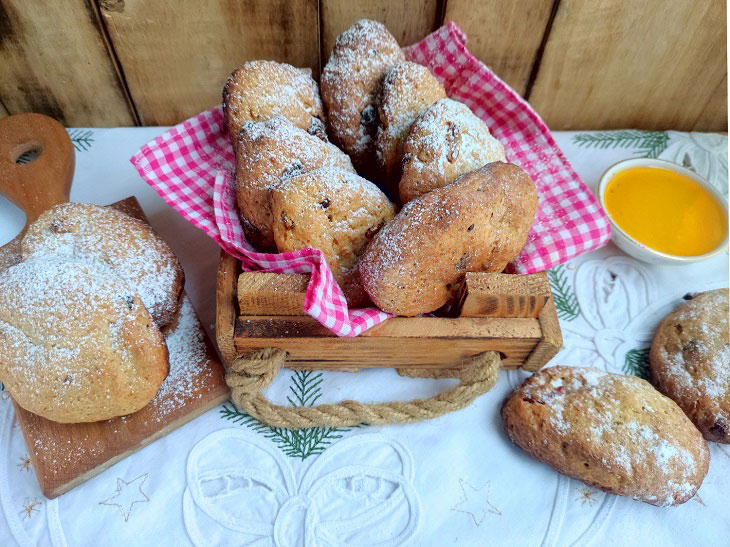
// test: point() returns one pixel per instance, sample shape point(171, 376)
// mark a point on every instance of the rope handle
point(250, 374)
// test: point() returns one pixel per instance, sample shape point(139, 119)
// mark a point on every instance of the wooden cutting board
point(65, 455)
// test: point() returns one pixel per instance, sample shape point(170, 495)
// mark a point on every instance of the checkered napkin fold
point(191, 167)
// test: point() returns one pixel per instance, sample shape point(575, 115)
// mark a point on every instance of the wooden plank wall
point(653, 64)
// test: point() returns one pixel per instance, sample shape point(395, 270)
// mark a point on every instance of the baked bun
point(332, 210)
point(446, 141)
point(476, 224)
point(613, 432)
point(407, 90)
point(76, 342)
point(268, 153)
point(259, 90)
point(350, 85)
point(127, 245)
point(690, 362)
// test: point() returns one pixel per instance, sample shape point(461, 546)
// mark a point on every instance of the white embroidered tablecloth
point(225, 479)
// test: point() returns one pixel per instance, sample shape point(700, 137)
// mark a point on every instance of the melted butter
point(666, 211)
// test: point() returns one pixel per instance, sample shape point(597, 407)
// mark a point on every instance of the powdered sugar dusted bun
point(446, 141)
point(611, 431)
point(267, 153)
point(407, 90)
point(332, 210)
point(350, 84)
point(259, 90)
point(690, 362)
point(76, 342)
point(128, 245)
point(477, 224)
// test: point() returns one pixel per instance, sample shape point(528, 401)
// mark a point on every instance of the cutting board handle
point(45, 181)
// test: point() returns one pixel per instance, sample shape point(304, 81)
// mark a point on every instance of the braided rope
point(248, 375)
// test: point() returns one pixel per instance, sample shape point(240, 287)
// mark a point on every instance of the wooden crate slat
point(502, 295)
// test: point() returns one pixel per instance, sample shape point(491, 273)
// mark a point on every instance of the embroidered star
point(585, 496)
point(24, 463)
point(127, 494)
point(475, 502)
point(30, 506)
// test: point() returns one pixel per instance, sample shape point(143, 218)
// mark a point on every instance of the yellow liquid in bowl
point(666, 211)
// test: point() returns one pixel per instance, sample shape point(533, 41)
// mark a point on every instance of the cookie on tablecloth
point(690, 362)
point(611, 431)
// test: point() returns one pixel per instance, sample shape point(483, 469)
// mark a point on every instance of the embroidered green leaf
point(296, 443)
point(81, 139)
point(648, 144)
point(566, 302)
point(636, 362)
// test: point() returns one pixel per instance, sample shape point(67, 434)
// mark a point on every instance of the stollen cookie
point(128, 245)
point(77, 343)
point(446, 141)
point(610, 431)
point(690, 362)
point(268, 153)
point(259, 90)
point(335, 211)
point(350, 85)
point(479, 223)
point(407, 90)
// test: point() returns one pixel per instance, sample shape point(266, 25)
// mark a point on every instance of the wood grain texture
point(407, 20)
point(400, 342)
point(176, 56)
point(65, 455)
point(651, 64)
point(504, 35)
point(502, 295)
point(551, 341)
point(55, 61)
point(714, 114)
point(226, 304)
point(269, 293)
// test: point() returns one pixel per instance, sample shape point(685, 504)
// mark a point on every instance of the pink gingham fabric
point(191, 167)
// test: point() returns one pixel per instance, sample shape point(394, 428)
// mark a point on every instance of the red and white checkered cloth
point(191, 167)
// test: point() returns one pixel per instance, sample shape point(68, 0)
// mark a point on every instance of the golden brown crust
point(260, 90)
point(613, 432)
point(690, 362)
point(76, 342)
point(478, 223)
point(407, 90)
point(446, 141)
point(350, 85)
point(332, 210)
point(268, 153)
point(130, 246)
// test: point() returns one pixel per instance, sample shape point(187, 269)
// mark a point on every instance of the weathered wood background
point(658, 64)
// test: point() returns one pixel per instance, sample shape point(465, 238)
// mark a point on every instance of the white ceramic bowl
point(637, 249)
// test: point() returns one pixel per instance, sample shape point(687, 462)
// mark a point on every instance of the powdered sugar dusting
point(632, 444)
point(446, 141)
point(260, 90)
point(351, 79)
point(188, 360)
point(111, 239)
point(63, 324)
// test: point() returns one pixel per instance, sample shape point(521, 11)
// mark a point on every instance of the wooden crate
point(512, 314)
